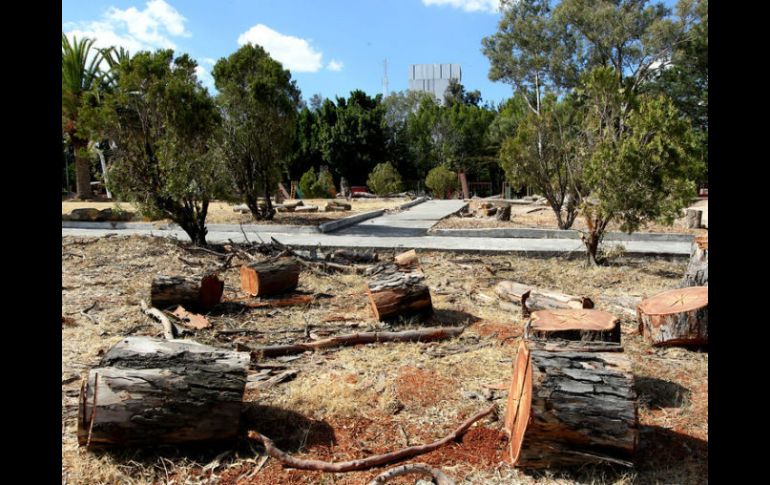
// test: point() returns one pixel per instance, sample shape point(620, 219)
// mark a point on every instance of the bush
point(319, 187)
point(384, 180)
point(441, 180)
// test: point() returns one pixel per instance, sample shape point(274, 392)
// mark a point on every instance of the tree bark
point(531, 298)
point(697, 273)
point(571, 408)
point(270, 278)
point(693, 218)
point(152, 391)
point(583, 325)
point(82, 170)
point(504, 213)
point(194, 293)
point(393, 293)
point(676, 317)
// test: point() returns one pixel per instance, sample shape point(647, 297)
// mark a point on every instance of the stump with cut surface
point(270, 278)
point(571, 324)
point(676, 317)
point(531, 298)
point(394, 293)
point(155, 391)
point(571, 407)
point(697, 273)
point(194, 293)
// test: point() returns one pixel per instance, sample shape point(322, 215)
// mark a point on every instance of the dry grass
point(222, 212)
point(356, 401)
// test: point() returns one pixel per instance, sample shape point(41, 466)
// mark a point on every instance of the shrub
point(384, 180)
point(441, 180)
point(320, 187)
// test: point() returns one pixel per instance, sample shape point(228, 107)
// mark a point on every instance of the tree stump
point(676, 317)
point(193, 293)
point(697, 273)
point(584, 325)
point(394, 293)
point(504, 213)
point(693, 218)
point(571, 407)
point(269, 278)
point(154, 391)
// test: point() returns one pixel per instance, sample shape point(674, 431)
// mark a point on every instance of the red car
point(356, 189)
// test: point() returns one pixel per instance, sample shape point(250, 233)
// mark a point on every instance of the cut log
point(693, 218)
point(697, 273)
point(193, 293)
point(571, 408)
point(307, 208)
point(531, 298)
point(270, 278)
point(394, 293)
point(154, 391)
point(289, 206)
point(348, 256)
point(341, 205)
point(407, 260)
point(422, 335)
point(624, 304)
point(572, 324)
point(676, 317)
point(86, 214)
point(504, 213)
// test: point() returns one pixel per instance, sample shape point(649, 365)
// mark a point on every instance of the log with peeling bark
point(270, 277)
point(421, 335)
point(570, 408)
point(530, 298)
point(194, 293)
point(676, 317)
point(697, 273)
point(371, 461)
point(394, 293)
point(154, 391)
point(572, 324)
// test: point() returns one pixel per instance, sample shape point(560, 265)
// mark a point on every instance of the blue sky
point(330, 46)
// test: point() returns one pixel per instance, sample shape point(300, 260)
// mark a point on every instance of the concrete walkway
point(414, 221)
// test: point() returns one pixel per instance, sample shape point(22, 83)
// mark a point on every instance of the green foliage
point(162, 121)
point(317, 187)
point(259, 101)
point(441, 180)
point(384, 180)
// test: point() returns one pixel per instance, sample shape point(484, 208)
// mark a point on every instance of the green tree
point(259, 101)
point(80, 74)
point(317, 187)
point(384, 180)
point(642, 163)
point(441, 180)
point(162, 121)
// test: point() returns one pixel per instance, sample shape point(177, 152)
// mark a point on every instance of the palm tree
point(80, 72)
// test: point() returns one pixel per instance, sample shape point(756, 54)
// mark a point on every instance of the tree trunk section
point(194, 293)
point(693, 218)
point(531, 298)
point(407, 260)
point(504, 213)
point(270, 278)
point(393, 293)
point(697, 273)
point(571, 408)
point(676, 317)
point(571, 324)
point(152, 391)
point(82, 171)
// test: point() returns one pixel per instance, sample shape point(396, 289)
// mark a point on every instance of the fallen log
point(369, 462)
point(340, 205)
point(571, 408)
point(394, 293)
point(194, 293)
point(421, 468)
point(306, 208)
point(571, 324)
point(676, 317)
point(625, 304)
point(697, 273)
point(531, 298)
point(348, 256)
point(154, 391)
point(169, 332)
point(269, 278)
point(421, 335)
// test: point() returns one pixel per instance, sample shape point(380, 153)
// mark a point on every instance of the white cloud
point(205, 77)
point(294, 53)
point(335, 65)
point(136, 30)
point(489, 6)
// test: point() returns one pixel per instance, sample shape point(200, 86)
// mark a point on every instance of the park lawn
point(357, 401)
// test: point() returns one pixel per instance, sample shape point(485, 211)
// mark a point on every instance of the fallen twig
point(169, 332)
point(421, 468)
point(369, 462)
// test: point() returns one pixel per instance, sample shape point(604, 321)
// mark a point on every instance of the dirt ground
point(543, 217)
point(357, 401)
point(222, 212)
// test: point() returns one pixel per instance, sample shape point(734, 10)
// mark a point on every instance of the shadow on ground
point(657, 393)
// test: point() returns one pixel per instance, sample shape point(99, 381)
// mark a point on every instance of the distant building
point(433, 78)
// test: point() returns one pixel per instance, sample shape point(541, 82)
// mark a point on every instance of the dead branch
point(369, 462)
point(440, 477)
point(426, 334)
point(169, 332)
